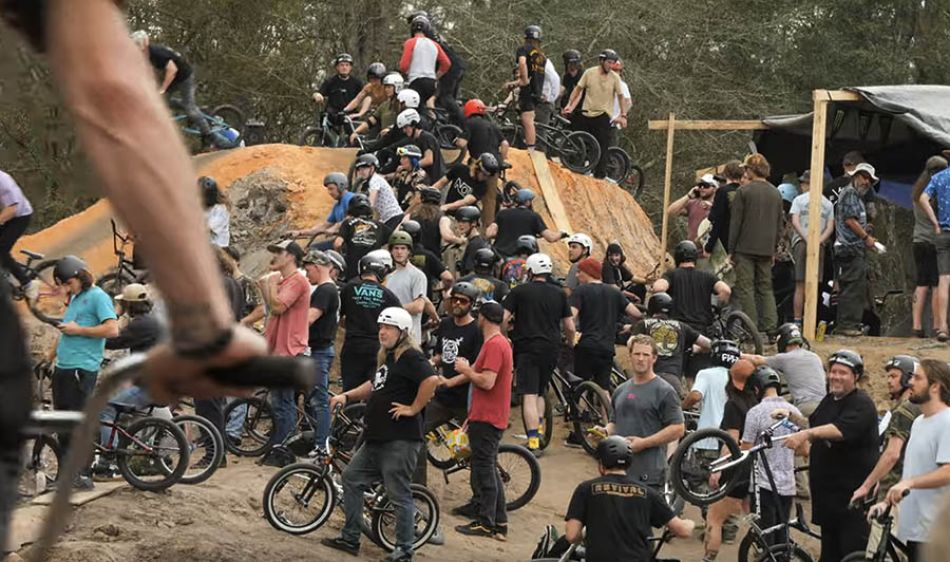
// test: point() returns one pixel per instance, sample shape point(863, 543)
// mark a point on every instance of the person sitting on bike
point(579, 247)
point(409, 177)
point(339, 90)
point(570, 77)
point(510, 224)
point(484, 261)
point(480, 134)
point(530, 80)
point(178, 76)
point(423, 61)
point(437, 274)
point(467, 221)
point(380, 119)
point(370, 95)
point(613, 515)
point(15, 214)
point(337, 186)
point(615, 272)
point(360, 234)
point(395, 398)
point(382, 197)
point(217, 211)
point(411, 125)
point(674, 339)
point(466, 185)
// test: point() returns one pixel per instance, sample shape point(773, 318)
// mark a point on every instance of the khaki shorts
point(799, 256)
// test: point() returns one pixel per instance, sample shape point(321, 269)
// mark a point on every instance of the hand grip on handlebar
point(271, 372)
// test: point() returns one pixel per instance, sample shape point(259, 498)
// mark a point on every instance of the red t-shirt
point(493, 406)
point(287, 334)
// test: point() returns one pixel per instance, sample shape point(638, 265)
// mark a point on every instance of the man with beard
point(853, 242)
point(695, 205)
point(579, 247)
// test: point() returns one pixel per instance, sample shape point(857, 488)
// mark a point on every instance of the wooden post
point(667, 187)
point(812, 275)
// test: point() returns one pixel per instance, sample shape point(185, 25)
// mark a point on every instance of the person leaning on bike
point(402, 386)
point(339, 90)
point(618, 513)
point(691, 288)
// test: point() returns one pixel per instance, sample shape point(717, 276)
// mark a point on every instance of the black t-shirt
point(454, 341)
point(535, 61)
point(838, 468)
point(619, 516)
point(599, 307)
point(160, 55)
point(339, 92)
point(140, 334)
point(468, 258)
point(569, 83)
point(733, 418)
point(361, 301)
point(692, 290)
point(429, 235)
point(515, 222)
point(360, 237)
point(482, 136)
point(618, 276)
point(673, 338)
point(427, 141)
point(491, 288)
point(326, 297)
point(396, 381)
point(538, 307)
point(462, 184)
point(428, 263)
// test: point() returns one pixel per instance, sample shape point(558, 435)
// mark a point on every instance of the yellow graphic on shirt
point(666, 335)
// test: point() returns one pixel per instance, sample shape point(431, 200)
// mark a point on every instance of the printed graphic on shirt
point(666, 337)
point(618, 489)
point(364, 233)
point(450, 349)
point(462, 188)
point(368, 296)
point(379, 379)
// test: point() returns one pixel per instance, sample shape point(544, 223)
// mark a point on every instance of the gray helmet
point(413, 228)
point(485, 258)
point(524, 195)
point(906, 364)
point(376, 70)
point(788, 333)
point(343, 57)
point(372, 264)
point(609, 54)
point(336, 259)
point(764, 377)
point(571, 56)
point(526, 244)
point(366, 160)
point(468, 213)
point(489, 164)
point(467, 290)
point(848, 358)
point(67, 268)
point(338, 179)
point(420, 23)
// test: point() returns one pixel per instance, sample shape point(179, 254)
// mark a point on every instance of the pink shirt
point(696, 210)
point(287, 333)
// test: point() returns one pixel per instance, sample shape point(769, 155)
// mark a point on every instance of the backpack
point(514, 272)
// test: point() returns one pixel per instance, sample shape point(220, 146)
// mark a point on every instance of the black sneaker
point(501, 532)
point(574, 441)
point(83, 483)
point(475, 529)
point(467, 510)
point(339, 543)
point(399, 555)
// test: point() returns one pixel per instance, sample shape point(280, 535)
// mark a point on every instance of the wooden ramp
point(552, 197)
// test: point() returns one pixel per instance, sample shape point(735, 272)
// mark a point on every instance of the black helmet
point(359, 206)
point(526, 244)
point(343, 57)
point(725, 353)
point(685, 251)
point(68, 268)
point(484, 258)
point(366, 160)
point(614, 452)
point(338, 179)
point(848, 358)
point(376, 70)
point(413, 15)
point(209, 190)
point(788, 333)
point(419, 23)
point(488, 163)
point(430, 195)
point(532, 32)
point(572, 56)
point(468, 213)
point(906, 364)
point(412, 228)
point(660, 303)
point(467, 290)
point(762, 378)
point(609, 54)
point(374, 265)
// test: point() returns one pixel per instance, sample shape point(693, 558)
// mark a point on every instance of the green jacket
point(756, 220)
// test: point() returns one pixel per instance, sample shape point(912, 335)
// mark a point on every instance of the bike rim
point(300, 499)
point(153, 455)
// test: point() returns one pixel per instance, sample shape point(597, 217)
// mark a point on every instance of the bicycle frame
point(118, 429)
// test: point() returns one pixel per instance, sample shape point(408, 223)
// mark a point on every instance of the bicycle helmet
point(400, 238)
point(409, 98)
point(583, 240)
point(788, 333)
point(526, 244)
point(430, 195)
point(413, 228)
point(906, 364)
point(359, 206)
point(488, 164)
point(68, 268)
point(608, 54)
point(338, 179)
point(532, 32)
point(374, 264)
point(410, 150)
point(763, 377)
point(337, 260)
point(395, 316)
point(614, 452)
point(484, 258)
point(848, 358)
point(409, 117)
point(539, 264)
point(571, 56)
point(524, 195)
point(365, 161)
point(394, 79)
point(660, 303)
point(725, 353)
point(420, 23)
point(376, 70)
point(469, 213)
point(467, 290)
point(474, 106)
point(343, 57)
point(415, 14)
point(685, 251)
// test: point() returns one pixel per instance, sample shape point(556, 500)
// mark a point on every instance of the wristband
point(206, 350)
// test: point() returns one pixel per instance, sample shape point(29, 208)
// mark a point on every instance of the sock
point(541, 428)
point(534, 441)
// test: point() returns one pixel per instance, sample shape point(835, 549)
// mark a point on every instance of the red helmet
point(474, 106)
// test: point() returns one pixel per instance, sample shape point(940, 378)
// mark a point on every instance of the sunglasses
point(459, 299)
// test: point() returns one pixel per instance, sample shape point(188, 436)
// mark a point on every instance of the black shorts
point(593, 364)
point(526, 103)
point(425, 87)
point(533, 372)
point(925, 262)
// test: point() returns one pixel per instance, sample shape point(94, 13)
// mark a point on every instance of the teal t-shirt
point(88, 309)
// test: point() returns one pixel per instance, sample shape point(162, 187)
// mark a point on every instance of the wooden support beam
point(812, 275)
point(667, 187)
point(709, 125)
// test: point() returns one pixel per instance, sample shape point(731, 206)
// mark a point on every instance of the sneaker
point(534, 443)
point(475, 529)
point(466, 510)
point(437, 538)
point(339, 543)
point(234, 440)
point(574, 441)
point(538, 452)
point(104, 472)
point(83, 483)
point(501, 532)
point(318, 453)
point(399, 555)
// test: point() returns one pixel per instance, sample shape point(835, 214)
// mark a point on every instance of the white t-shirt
point(219, 223)
point(552, 83)
point(927, 449)
point(711, 383)
point(386, 204)
point(625, 91)
point(409, 283)
point(800, 208)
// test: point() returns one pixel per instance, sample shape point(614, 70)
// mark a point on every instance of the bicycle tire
point(257, 430)
point(740, 328)
point(353, 438)
point(50, 305)
point(617, 378)
point(591, 408)
point(42, 456)
point(509, 457)
point(232, 116)
point(633, 183)
point(546, 430)
point(113, 283)
point(447, 134)
point(780, 553)
point(313, 479)
point(751, 540)
point(618, 164)
point(384, 520)
point(311, 136)
point(678, 475)
point(437, 450)
point(890, 555)
point(592, 150)
point(196, 442)
point(160, 435)
point(572, 152)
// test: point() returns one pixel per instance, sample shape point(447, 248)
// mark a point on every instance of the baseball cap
point(492, 311)
point(866, 168)
point(708, 179)
point(287, 246)
point(133, 292)
point(316, 257)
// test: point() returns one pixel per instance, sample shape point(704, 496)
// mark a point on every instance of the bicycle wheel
point(752, 547)
point(741, 329)
point(786, 552)
point(154, 454)
point(890, 555)
point(618, 164)
point(41, 460)
point(257, 429)
point(437, 449)
point(672, 499)
point(51, 301)
point(312, 136)
point(231, 115)
point(426, 520)
point(617, 378)
point(546, 427)
point(205, 447)
point(299, 498)
point(591, 408)
point(689, 471)
point(520, 474)
point(633, 183)
point(113, 283)
point(576, 151)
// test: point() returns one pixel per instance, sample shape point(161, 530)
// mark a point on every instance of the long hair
point(934, 164)
point(427, 212)
point(405, 343)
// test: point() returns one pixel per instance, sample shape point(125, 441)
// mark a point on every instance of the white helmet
point(396, 316)
point(539, 264)
point(409, 98)
point(384, 256)
point(582, 239)
point(407, 117)
point(394, 79)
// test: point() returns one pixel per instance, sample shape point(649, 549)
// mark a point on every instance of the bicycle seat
point(573, 379)
point(32, 255)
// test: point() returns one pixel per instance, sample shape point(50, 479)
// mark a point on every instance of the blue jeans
point(234, 425)
point(319, 401)
point(393, 462)
point(285, 413)
point(135, 396)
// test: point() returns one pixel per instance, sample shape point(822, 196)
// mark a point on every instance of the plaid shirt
point(781, 460)
point(849, 206)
